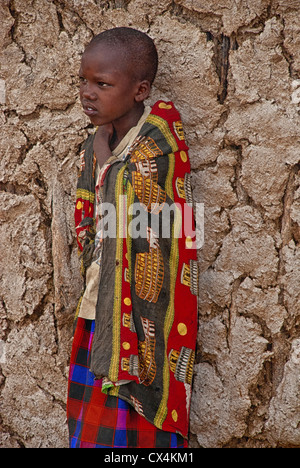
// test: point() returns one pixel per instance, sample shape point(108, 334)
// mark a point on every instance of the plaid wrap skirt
point(96, 420)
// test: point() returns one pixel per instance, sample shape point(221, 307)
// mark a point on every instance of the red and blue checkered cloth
point(96, 420)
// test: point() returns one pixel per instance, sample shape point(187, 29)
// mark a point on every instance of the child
point(134, 343)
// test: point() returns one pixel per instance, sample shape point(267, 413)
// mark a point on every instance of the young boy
point(134, 343)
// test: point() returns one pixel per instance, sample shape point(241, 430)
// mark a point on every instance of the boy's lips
point(89, 109)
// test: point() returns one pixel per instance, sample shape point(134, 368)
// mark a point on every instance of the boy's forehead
point(103, 47)
point(106, 57)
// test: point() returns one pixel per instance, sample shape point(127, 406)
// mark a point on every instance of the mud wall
point(233, 70)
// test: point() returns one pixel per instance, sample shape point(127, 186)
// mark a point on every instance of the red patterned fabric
point(97, 420)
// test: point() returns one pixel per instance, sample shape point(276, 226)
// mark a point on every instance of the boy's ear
point(143, 91)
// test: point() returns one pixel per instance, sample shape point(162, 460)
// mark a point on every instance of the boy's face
point(107, 88)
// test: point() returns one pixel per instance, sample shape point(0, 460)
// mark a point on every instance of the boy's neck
point(123, 126)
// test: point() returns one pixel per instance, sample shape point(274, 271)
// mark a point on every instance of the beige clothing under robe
point(89, 300)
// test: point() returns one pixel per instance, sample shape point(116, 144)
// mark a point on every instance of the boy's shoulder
point(166, 118)
point(165, 109)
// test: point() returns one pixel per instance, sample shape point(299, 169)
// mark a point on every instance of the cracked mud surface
point(233, 70)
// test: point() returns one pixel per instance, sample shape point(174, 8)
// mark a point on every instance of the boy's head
point(117, 71)
point(137, 48)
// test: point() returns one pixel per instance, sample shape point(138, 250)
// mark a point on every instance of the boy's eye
point(101, 84)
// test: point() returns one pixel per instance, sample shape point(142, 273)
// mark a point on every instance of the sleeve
point(85, 205)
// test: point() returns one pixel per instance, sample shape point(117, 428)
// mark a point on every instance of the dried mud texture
point(233, 70)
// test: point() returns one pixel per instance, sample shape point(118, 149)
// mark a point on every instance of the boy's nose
point(89, 93)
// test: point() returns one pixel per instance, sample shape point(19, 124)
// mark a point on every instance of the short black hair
point(138, 48)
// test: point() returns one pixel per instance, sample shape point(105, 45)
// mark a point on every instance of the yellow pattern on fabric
point(114, 366)
point(114, 391)
point(147, 363)
point(178, 127)
point(149, 275)
point(130, 201)
point(164, 128)
point(146, 149)
point(148, 192)
point(169, 178)
point(78, 307)
point(169, 319)
point(164, 105)
point(85, 195)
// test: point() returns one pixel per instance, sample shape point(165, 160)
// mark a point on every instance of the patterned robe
point(146, 313)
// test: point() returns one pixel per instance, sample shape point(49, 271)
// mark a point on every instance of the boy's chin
point(96, 121)
point(99, 122)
